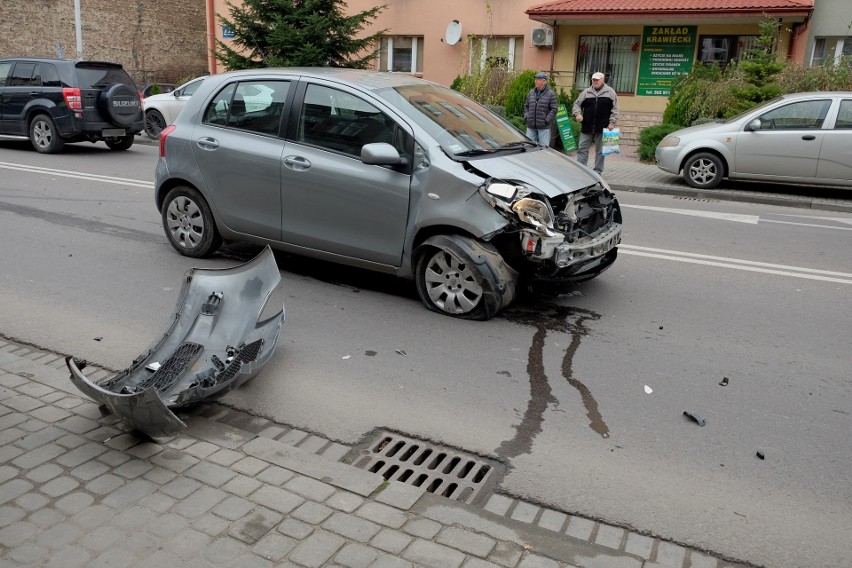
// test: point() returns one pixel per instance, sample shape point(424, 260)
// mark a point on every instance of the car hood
point(158, 98)
point(701, 129)
point(549, 171)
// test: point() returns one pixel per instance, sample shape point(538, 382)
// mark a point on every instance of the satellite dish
point(453, 34)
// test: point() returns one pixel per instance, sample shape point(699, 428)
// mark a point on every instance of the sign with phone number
point(667, 52)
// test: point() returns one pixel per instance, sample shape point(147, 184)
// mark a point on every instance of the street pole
point(78, 28)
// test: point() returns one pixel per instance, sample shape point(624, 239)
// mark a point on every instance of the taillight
point(165, 132)
point(73, 98)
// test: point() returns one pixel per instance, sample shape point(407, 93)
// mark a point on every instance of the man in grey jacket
point(540, 110)
point(596, 108)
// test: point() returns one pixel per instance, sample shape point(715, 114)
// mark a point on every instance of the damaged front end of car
point(569, 237)
point(213, 344)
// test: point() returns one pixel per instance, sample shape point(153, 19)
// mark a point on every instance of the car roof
point(811, 94)
point(370, 80)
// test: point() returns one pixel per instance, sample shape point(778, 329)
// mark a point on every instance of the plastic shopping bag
point(610, 141)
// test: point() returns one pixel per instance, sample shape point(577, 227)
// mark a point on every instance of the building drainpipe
point(211, 37)
point(553, 48)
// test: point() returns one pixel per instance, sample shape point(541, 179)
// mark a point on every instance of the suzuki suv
point(54, 101)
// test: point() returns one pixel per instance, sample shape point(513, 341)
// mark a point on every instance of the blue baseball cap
point(541, 75)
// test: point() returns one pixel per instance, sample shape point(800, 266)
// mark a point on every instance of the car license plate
point(113, 132)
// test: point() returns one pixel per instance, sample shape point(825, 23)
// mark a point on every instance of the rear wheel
point(120, 142)
point(154, 124)
point(43, 135)
point(189, 224)
point(703, 170)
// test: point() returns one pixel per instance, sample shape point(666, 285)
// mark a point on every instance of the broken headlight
point(514, 201)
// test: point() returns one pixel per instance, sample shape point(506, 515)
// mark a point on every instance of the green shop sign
point(667, 52)
point(563, 124)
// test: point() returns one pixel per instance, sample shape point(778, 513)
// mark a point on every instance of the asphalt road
point(556, 388)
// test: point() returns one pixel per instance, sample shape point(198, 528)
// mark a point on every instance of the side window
point(256, 106)
point(342, 122)
point(21, 75)
point(4, 73)
point(803, 115)
point(217, 109)
point(190, 89)
point(844, 115)
point(50, 75)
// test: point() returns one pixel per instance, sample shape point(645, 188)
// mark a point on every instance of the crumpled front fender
point(213, 344)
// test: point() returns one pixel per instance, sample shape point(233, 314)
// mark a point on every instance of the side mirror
point(754, 125)
point(380, 154)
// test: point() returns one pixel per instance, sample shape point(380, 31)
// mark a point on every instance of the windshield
point(460, 125)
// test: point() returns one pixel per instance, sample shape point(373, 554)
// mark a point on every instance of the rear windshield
point(99, 75)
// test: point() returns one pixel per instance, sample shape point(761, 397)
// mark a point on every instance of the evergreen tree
point(760, 69)
point(289, 33)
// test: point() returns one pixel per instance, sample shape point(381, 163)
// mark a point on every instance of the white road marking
point(77, 175)
point(848, 221)
point(807, 224)
point(738, 264)
point(750, 219)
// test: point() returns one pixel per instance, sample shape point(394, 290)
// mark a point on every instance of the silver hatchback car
point(801, 138)
point(386, 172)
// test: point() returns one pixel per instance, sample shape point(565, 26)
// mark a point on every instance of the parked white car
point(801, 138)
point(162, 110)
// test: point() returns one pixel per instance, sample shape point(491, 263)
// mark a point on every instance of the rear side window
point(94, 76)
point(256, 106)
point(50, 75)
point(844, 116)
point(22, 75)
point(4, 73)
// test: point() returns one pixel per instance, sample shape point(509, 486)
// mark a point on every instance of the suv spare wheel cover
point(121, 104)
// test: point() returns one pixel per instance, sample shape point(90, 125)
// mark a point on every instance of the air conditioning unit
point(542, 37)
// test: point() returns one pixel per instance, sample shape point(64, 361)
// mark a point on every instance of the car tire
point(155, 122)
point(189, 224)
point(121, 104)
point(463, 278)
point(703, 170)
point(119, 143)
point(44, 136)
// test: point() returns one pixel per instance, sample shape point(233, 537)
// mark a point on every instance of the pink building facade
point(641, 45)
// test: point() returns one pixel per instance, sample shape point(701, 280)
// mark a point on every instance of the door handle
point(207, 143)
point(808, 137)
point(297, 162)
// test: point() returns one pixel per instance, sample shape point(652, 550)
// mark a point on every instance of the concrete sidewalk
point(77, 489)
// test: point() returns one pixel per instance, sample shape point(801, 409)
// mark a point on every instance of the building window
point(831, 50)
point(401, 54)
point(496, 52)
point(617, 57)
point(723, 49)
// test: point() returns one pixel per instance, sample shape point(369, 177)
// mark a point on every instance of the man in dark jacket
point(540, 110)
point(596, 108)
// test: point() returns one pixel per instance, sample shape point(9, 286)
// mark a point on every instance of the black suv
point(54, 101)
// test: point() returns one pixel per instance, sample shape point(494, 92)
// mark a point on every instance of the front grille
point(440, 470)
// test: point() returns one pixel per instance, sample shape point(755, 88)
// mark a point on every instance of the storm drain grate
point(443, 471)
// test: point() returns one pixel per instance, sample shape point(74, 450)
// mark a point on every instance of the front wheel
point(120, 142)
point(188, 222)
point(155, 122)
point(464, 278)
point(43, 135)
point(703, 170)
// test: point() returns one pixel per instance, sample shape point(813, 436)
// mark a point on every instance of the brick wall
point(630, 124)
point(155, 40)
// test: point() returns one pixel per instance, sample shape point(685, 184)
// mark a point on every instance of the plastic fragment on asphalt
point(98, 338)
point(697, 419)
point(761, 455)
point(401, 352)
point(153, 366)
point(648, 389)
point(724, 382)
point(347, 356)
